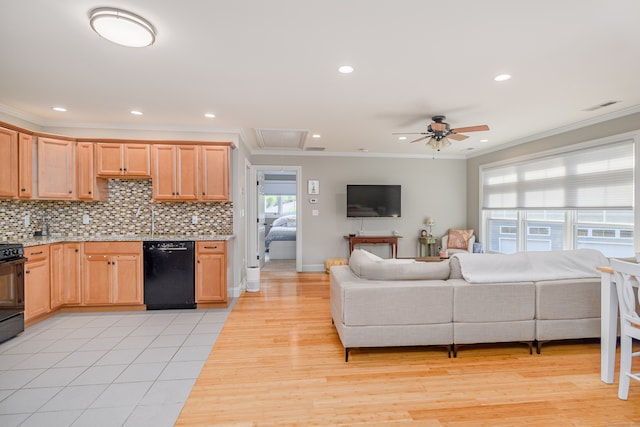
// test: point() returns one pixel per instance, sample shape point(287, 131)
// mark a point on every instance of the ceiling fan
point(438, 133)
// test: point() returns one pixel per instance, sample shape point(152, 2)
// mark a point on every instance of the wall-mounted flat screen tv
point(381, 201)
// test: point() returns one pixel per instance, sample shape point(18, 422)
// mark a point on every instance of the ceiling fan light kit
point(439, 133)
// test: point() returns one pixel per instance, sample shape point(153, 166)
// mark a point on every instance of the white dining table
point(608, 324)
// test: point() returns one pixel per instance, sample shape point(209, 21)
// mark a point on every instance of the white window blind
point(597, 177)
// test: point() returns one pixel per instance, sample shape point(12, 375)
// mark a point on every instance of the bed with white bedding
point(280, 242)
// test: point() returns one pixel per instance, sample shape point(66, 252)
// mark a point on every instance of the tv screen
point(373, 201)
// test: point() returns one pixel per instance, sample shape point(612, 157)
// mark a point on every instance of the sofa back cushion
point(365, 267)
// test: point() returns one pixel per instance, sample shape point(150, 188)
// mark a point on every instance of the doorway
point(278, 232)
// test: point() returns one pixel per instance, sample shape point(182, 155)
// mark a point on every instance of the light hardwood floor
point(278, 361)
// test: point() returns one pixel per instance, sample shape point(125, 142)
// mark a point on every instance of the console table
point(392, 241)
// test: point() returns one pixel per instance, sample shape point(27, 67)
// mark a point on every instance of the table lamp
point(430, 222)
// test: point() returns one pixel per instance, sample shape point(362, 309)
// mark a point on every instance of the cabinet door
point(96, 279)
point(89, 187)
point(71, 268)
point(137, 160)
point(57, 276)
point(127, 282)
point(36, 285)
point(109, 159)
point(25, 169)
point(56, 169)
point(211, 272)
point(163, 181)
point(8, 163)
point(186, 172)
point(215, 173)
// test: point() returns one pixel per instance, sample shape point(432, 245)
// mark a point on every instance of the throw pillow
point(459, 239)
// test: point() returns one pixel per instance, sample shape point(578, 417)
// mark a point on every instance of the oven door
point(12, 285)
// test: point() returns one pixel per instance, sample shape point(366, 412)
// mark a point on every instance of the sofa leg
point(455, 350)
point(538, 346)
point(346, 355)
point(449, 350)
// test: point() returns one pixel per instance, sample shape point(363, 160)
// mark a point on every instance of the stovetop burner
point(9, 251)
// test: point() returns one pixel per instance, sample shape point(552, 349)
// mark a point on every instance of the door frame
point(252, 204)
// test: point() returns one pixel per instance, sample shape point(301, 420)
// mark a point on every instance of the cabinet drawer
point(36, 253)
point(215, 247)
point(116, 248)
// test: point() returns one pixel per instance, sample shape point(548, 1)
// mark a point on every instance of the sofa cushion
point(459, 239)
point(568, 299)
point(493, 302)
point(392, 270)
point(533, 266)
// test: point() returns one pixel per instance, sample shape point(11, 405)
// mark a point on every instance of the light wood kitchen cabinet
point(36, 282)
point(122, 160)
point(89, 186)
point(112, 273)
point(175, 172)
point(56, 169)
point(65, 260)
point(25, 166)
point(8, 163)
point(214, 172)
point(211, 272)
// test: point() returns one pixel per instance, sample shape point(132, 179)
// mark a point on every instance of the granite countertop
point(44, 240)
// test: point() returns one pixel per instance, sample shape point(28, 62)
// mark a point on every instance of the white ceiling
point(272, 65)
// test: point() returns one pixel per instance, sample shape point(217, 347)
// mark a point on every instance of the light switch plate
point(85, 219)
point(194, 219)
point(314, 212)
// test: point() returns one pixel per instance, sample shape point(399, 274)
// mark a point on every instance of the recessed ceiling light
point(502, 77)
point(484, 140)
point(136, 112)
point(346, 69)
point(315, 135)
point(209, 115)
point(60, 109)
point(122, 27)
point(402, 138)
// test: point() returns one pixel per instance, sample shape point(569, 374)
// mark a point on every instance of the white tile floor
point(105, 369)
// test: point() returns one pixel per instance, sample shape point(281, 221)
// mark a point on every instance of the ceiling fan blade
point(410, 133)
point(419, 139)
point(471, 129)
point(457, 136)
point(438, 126)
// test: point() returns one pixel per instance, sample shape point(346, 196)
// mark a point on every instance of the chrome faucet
point(153, 218)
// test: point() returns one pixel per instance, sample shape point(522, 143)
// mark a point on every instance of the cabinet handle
point(70, 191)
point(125, 169)
point(89, 192)
point(23, 189)
point(29, 271)
point(211, 247)
point(204, 194)
point(120, 169)
point(77, 250)
point(198, 261)
point(37, 253)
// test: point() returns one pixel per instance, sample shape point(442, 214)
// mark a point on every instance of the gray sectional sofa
point(528, 297)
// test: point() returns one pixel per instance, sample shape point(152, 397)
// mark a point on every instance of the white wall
point(435, 188)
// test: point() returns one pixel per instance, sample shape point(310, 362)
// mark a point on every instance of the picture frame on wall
point(313, 186)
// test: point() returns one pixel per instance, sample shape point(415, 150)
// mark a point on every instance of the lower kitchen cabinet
point(211, 272)
point(36, 282)
point(112, 273)
point(65, 274)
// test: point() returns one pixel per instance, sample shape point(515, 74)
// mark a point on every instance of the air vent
point(599, 106)
point(315, 148)
point(280, 139)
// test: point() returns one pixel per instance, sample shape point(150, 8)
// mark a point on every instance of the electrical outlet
point(85, 219)
point(27, 220)
point(194, 219)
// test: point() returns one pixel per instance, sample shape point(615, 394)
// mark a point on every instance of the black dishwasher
point(169, 274)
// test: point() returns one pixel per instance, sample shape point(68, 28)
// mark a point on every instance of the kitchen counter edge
point(34, 241)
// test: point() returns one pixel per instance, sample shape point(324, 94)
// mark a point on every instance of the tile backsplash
point(127, 211)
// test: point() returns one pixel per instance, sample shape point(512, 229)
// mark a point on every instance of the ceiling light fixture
point(502, 77)
point(484, 140)
point(346, 69)
point(59, 109)
point(315, 135)
point(210, 115)
point(402, 138)
point(122, 27)
point(136, 112)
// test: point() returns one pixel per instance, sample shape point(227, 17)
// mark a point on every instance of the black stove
point(11, 290)
point(11, 251)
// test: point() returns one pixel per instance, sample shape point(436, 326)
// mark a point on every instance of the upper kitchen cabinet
point(214, 172)
point(123, 160)
point(89, 186)
point(56, 169)
point(175, 172)
point(8, 163)
point(25, 166)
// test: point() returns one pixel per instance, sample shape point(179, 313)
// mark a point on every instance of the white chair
point(626, 276)
point(451, 251)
